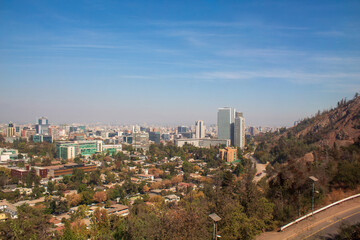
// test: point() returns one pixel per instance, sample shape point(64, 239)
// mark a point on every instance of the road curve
point(323, 225)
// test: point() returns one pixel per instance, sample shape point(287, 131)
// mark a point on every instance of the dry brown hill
point(336, 127)
point(340, 125)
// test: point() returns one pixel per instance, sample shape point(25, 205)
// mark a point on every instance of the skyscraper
point(199, 129)
point(231, 125)
point(225, 120)
point(10, 130)
point(239, 130)
point(43, 126)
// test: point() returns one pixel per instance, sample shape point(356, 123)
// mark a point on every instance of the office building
point(112, 148)
point(231, 125)
point(165, 137)
point(199, 129)
point(155, 137)
point(239, 130)
point(225, 123)
point(65, 150)
point(182, 129)
point(70, 149)
point(202, 143)
point(10, 130)
point(43, 126)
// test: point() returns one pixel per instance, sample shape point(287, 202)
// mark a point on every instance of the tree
point(239, 169)
point(87, 197)
point(81, 212)
point(110, 177)
point(94, 178)
point(187, 167)
point(73, 199)
point(227, 178)
point(31, 224)
point(77, 175)
point(37, 192)
point(50, 187)
point(100, 224)
point(58, 207)
point(100, 196)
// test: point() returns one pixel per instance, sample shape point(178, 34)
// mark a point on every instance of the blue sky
point(174, 62)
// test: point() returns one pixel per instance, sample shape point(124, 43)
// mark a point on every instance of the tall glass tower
point(225, 123)
point(239, 130)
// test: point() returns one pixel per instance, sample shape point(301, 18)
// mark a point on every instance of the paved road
point(322, 226)
point(260, 168)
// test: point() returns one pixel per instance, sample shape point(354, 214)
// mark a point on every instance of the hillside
point(326, 146)
point(338, 127)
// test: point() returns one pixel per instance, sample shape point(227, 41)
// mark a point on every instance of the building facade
point(229, 153)
point(231, 125)
point(10, 130)
point(43, 126)
point(199, 129)
point(155, 137)
point(225, 121)
point(70, 149)
point(239, 130)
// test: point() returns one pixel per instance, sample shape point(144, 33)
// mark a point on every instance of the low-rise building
point(229, 153)
point(112, 148)
point(118, 209)
point(172, 198)
point(202, 143)
point(9, 208)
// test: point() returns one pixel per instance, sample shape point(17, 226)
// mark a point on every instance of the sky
point(175, 62)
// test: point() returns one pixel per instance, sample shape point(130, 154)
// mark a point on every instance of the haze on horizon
point(176, 62)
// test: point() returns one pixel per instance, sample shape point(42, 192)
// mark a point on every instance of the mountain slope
point(340, 125)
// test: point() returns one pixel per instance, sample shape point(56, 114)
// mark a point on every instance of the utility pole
point(215, 218)
point(314, 179)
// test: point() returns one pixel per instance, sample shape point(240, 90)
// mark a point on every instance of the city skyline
point(174, 63)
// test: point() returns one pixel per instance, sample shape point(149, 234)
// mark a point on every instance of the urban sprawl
point(80, 169)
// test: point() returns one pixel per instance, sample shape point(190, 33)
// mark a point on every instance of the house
point(183, 185)
point(146, 177)
point(156, 191)
point(172, 198)
point(118, 209)
point(7, 207)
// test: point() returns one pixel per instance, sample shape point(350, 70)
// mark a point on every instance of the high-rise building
point(225, 123)
point(199, 129)
point(231, 125)
point(155, 137)
point(10, 130)
point(43, 126)
point(239, 130)
point(182, 129)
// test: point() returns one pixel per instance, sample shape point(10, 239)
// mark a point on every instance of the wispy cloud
point(297, 77)
point(260, 52)
point(331, 33)
point(89, 46)
point(331, 59)
point(234, 24)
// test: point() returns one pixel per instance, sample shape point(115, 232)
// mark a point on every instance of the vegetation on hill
point(312, 148)
point(336, 127)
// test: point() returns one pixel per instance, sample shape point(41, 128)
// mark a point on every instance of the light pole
point(313, 179)
point(215, 218)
